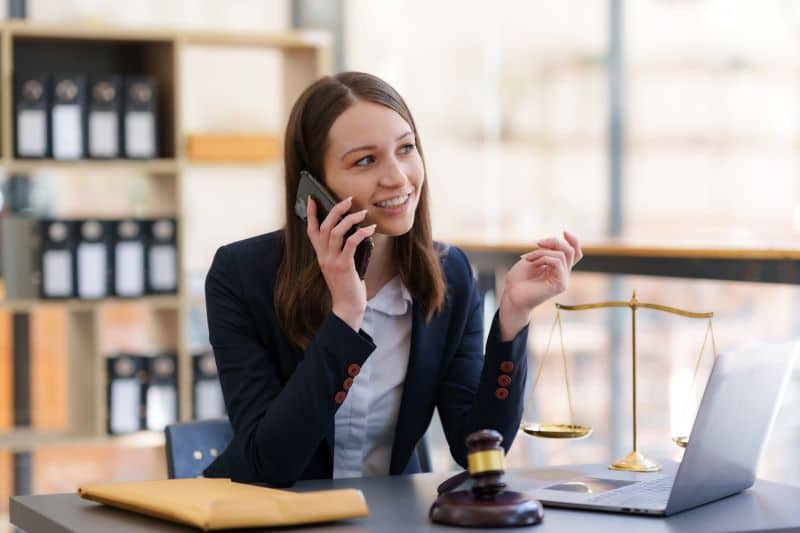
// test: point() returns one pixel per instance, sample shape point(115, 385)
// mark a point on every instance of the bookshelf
point(305, 55)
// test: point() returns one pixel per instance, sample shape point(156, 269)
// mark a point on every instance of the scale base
point(635, 462)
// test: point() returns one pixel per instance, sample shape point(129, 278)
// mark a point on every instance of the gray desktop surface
point(401, 503)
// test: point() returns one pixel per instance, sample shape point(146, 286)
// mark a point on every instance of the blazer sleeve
point(482, 391)
point(277, 427)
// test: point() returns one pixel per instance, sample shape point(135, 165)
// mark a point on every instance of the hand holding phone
point(337, 241)
point(325, 201)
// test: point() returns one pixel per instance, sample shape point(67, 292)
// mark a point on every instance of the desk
point(758, 265)
point(401, 503)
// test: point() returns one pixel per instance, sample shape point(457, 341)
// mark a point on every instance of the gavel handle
point(452, 482)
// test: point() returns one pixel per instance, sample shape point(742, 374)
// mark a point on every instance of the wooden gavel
point(487, 503)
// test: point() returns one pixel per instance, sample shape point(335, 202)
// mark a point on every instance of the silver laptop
point(743, 392)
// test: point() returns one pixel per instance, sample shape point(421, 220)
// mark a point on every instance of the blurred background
point(664, 133)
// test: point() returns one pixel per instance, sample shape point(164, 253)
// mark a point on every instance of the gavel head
point(485, 463)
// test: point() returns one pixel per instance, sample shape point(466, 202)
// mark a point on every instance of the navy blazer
point(280, 400)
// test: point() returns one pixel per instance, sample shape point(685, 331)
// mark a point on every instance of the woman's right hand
point(336, 258)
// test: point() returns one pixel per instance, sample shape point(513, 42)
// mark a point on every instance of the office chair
point(192, 446)
point(424, 455)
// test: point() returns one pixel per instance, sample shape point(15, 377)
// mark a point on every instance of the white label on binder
point(140, 130)
point(103, 134)
point(129, 269)
point(124, 402)
point(163, 267)
point(162, 406)
point(92, 271)
point(32, 132)
point(67, 132)
point(57, 273)
point(208, 399)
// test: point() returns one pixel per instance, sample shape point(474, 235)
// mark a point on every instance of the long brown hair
point(302, 299)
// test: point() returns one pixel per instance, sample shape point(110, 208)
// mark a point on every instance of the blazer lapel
point(418, 390)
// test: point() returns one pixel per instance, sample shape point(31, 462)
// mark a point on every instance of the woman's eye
point(364, 161)
point(407, 148)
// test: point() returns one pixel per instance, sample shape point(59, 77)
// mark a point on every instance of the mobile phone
point(310, 186)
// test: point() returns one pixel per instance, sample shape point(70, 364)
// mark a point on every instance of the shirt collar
point(393, 298)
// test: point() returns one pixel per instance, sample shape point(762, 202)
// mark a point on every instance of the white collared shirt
point(366, 420)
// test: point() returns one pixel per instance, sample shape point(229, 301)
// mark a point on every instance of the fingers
point(547, 261)
point(557, 243)
point(554, 268)
point(337, 212)
point(320, 234)
point(547, 252)
point(312, 225)
point(538, 271)
point(337, 233)
point(355, 239)
point(573, 241)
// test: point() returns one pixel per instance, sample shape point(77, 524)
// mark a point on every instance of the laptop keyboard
point(650, 493)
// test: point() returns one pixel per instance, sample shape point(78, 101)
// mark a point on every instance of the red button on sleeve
point(340, 396)
point(504, 380)
point(347, 384)
point(501, 393)
point(506, 366)
point(353, 370)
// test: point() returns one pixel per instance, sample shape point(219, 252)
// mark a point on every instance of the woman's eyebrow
point(372, 146)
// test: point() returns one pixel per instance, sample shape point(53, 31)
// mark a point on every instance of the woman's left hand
point(535, 278)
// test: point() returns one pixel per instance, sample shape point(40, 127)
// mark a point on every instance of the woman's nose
point(393, 174)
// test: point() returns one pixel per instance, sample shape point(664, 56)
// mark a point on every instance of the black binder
point(140, 117)
point(103, 122)
point(57, 259)
point(128, 258)
point(127, 378)
point(162, 256)
point(208, 401)
point(31, 124)
point(161, 399)
point(93, 259)
point(67, 116)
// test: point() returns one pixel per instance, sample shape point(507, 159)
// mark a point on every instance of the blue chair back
point(192, 446)
point(424, 455)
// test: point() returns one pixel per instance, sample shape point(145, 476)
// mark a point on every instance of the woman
point(325, 375)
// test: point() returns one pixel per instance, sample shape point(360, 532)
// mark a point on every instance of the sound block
point(505, 509)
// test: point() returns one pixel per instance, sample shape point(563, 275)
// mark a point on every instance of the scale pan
point(557, 431)
point(681, 441)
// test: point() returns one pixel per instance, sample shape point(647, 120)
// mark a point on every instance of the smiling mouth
point(397, 201)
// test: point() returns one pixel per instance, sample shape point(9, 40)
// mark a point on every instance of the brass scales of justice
point(634, 461)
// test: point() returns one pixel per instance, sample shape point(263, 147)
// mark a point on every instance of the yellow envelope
point(213, 503)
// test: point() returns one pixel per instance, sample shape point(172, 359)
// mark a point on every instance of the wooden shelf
point(84, 32)
point(101, 50)
point(155, 166)
point(257, 165)
point(294, 39)
point(73, 304)
point(30, 439)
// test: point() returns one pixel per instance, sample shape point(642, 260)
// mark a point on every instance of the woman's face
point(372, 156)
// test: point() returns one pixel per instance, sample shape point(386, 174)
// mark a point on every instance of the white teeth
point(394, 202)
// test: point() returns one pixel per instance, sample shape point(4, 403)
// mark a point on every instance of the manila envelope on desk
point(212, 504)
